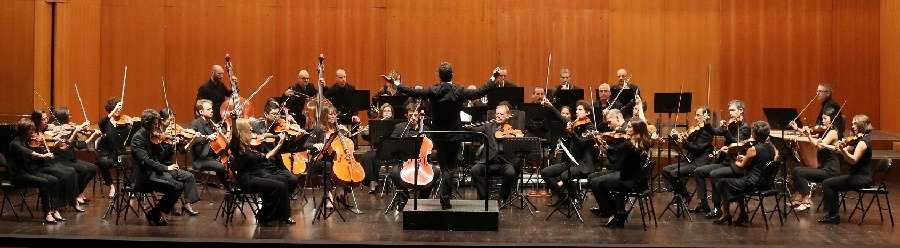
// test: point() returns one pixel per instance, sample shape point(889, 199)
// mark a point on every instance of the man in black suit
point(447, 99)
point(215, 90)
point(500, 78)
point(565, 83)
point(150, 173)
point(495, 163)
point(625, 104)
point(340, 94)
point(295, 96)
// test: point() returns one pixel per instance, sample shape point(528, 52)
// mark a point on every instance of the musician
point(340, 94)
point(859, 156)
point(370, 159)
point(633, 153)
point(296, 94)
point(735, 130)
point(204, 158)
point(499, 78)
point(150, 173)
point(315, 143)
point(564, 84)
point(65, 154)
point(214, 89)
point(604, 103)
point(829, 163)
point(695, 146)
point(581, 148)
point(389, 89)
point(823, 94)
point(753, 162)
point(31, 166)
point(495, 164)
point(447, 99)
point(277, 169)
point(167, 156)
point(111, 144)
point(538, 94)
point(410, 128)
point(624, 82)
point(251, 165)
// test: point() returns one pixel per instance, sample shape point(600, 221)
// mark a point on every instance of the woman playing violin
point(31, 166)
point(856, 150)
point(581, 148)
point(250, 165)
point(170, 141)
point(111, 144)
point(829, 163)
point(267, 127)
point(753, 162)
point(632, 154)
point(68, 174)
point(696, 145)
point(64, 153)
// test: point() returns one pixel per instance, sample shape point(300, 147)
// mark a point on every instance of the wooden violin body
point(425, 174)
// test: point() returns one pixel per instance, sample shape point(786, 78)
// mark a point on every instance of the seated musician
point(823, 94)
point(735, 131)
point(695, 145)
point(150, 173)
point(111, 144)
point(267, 126)
point(250, 164)
point(496, 164)
point(581, 148)
point(411, 128)
point(315, 143)
point(565, 83)
point(829, 162)
point(370, 159)
point(753, 163)
point(64, 153)
point(296, 94)
point(633, 152)
point(169, 148)
point(30, 166)
point(202, 154)
point(859, 156)
point(67, 174)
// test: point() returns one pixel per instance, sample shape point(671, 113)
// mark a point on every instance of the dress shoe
point(700, 209)
point(830, 219)
point(600, 213)
point(289, 221)
point(190, 212)
point(713, 213)
point(725, 219)
point(742, 220)
point(616, 222)
point(445, 204)
point(57, 216)
point(155, 219)
point(49, 219)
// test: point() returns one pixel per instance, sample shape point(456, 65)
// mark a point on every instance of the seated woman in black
point(29, 160)
point(630, 176)
point(250, 166)
point(64, 150)
point(314, 143)
point(753, 162)
point(370, 159)
point(151, 174)
point(859, 156)
point(111, 144)
point(829, 163)
point(267, 126)
point(66, 174)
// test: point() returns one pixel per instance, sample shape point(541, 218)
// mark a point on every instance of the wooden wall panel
point(889, 64)
point(78, 58)
point(856, 56)
point(18, 26)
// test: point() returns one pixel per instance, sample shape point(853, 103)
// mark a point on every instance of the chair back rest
point(767, 178)
point(882, 168)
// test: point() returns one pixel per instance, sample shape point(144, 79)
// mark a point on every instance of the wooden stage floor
point(517, 227)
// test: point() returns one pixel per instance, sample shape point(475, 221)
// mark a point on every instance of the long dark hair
point(640, 137)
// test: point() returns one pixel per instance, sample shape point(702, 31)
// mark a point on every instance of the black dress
point(859, 175)
point(252, 176)
point(85, 171)
point(28, 171)
point(733, 189)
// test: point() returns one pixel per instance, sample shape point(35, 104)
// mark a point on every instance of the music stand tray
point(514, 95)
point(568, 97)
point(381, 129)
point(402, 149)
point(780, 118)
point(668, 103)
point(359, 100)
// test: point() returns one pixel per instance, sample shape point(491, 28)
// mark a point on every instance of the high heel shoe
point(803, 207)
point(189, 211)
point(57, 216)
point(49, 219)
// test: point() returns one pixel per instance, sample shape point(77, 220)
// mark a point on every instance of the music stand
point(623, 96)
point(396, 102)
point(403, 149)
point(668, 103)
point(568, 97)
point(536, 117)
point(359, 100)
point(780, 118)
point(521, 147)
point(514, 95)
point(671, 103)
point(478, 113)
point(381, 129)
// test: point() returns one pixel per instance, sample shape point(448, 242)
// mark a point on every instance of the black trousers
point(403, 191)
point(171, 191)
point(189, 183)
point(507, 176)
point(553, 174)
point(105, 163)
point(714, 172)
point(282, 174)
point(676, 170)
point(48, 185)
point(602, 186)
point(276, 202)
point(212, 165)
point(85, 172)
point(68, 183)
point(833, 185)
point(371, 166)
point(804, 175)
point(448, 159)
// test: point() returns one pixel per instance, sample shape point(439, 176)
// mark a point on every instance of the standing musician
point(30, 166)
point(64, 153)
point(499, 78)
point(695, 146)
point(632, 151)
point(170, 145)
point(340, 94)
point(823, 94)
point(753, 162)
point(296, 94)
point(324, 166)
point(829, 162)
point(404, 130)
point(150, 172)
point(252, 176)
point(495, 163)
point(538, 94)
point(370, 159)
point(735, 131)
point(582, 149)
point(112, 144)
point(447, 99)
point(602, 104)
point(204, 158)
point(215, 91)
point(856, 150)
point(564, 84)
point(267, 127)
point(624, 82)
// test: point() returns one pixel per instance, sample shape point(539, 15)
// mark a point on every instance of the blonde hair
point(243, 131)
point(862, 123)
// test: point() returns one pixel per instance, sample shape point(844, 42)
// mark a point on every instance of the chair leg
point(778, 211)
point(858, 206)
point(887, 200)
point(24, 202)
point(880, 209)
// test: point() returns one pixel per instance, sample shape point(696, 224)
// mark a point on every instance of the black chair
point(11, 190)
point(643, 196)
point(120, 204)
point(765, 189)
point(234, 200)
point(877, 190)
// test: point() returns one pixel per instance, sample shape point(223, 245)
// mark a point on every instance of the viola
point(850, 140)
point(292, 129)
point(578, 122)
point(125, 120)
point(734, 149)
point(507, 131)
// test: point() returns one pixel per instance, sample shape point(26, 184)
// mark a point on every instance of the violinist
point(296, 94)
point(111, 144)
point(29, 166)
point(496, 164)
point(829, 163)
point(315, 144)
point(538, 94)
point(753, 162)
point(250, 165)
point(696, 145)
point(370, 159)
point(856, 150)
point(633, 153)
point(150, 172)
point(215, 91)
point(204, 158)
point(582, 149)
point(172, 143)
point(735, 132)
point(71, 185)
point(266, 127)
point(65, 152)
point(823, 94)
point(410, 128)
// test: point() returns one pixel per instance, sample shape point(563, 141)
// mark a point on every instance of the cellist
point(315, 143)
point(410, 128)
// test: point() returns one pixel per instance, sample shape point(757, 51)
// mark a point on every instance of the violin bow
point(80, 102)
point(678, 108)
point(807, 106)
point(836, 116)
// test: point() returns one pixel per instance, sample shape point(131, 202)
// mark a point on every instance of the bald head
point(217, 73)
point(621, 74)
point(341, 76)
point(303, 76)
point(471, 87)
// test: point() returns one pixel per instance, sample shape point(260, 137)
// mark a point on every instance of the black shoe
point(835, 219)
point(700, 209)
point(600, 213)
point(713, 213)
point(445, 204)
point(725, 219)
point(616, 222)
point(190, 212)
point(155, 219)
point(742, 220)
point(289, 221)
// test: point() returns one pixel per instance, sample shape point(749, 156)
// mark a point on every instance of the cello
point(419, 174)
point(345, 168)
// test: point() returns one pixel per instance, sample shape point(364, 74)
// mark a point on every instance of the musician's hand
point(211, 137)
point(355, 119)
point(793, 124)
point(281, 137)
point(546, 102)
point(740, 157)
point(46, 155)
point(172, 167)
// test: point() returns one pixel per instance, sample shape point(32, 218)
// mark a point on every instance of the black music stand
point(780, 118)
point(405, 148)
point(381, 129)
point(624, 96)
point(514, 95)
point(672, 103)
point(396, 102)
point(521, 147)
point(478, 113)
point(568, 97)
point(359, 100)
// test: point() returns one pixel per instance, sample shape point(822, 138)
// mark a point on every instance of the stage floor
point(517, 227)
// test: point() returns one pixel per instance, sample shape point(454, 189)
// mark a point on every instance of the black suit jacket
point(447, 100)
point(340, 98)
point(215, 92)
point(200, 149)
point(146, 155)
point(295, 103)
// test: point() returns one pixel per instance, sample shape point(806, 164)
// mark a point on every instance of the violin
point(124, 120)
point(578, 122)
point(850, 141)
point(265, 138)
point(734, 149)
point(730, 122)
point(507, 131)
point(292, 129)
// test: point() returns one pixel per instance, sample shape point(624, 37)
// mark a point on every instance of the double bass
point(235, 103)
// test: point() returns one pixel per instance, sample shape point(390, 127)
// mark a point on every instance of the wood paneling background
point(890, 65)
point(768, 52)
